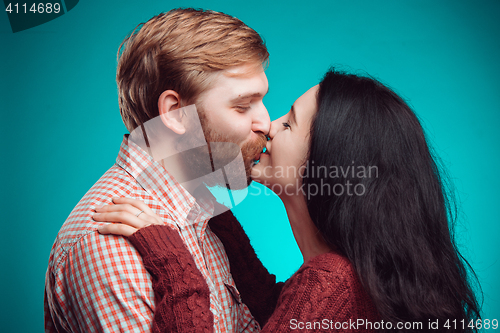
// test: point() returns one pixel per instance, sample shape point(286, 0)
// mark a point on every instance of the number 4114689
point(479, 324)
point(35, 8)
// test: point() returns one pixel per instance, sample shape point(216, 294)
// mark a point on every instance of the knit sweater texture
point(323, 295)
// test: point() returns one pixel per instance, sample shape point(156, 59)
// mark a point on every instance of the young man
point(97, 282)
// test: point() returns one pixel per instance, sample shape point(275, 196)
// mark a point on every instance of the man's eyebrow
point(292, 118)
point(250, 95)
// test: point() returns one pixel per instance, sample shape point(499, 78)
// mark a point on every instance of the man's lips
point(263, 152)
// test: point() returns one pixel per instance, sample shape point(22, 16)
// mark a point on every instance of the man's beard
point(223, 154)
point(219, 154)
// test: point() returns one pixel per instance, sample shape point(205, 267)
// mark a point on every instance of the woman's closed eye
point(286, 125)
point(242, 108)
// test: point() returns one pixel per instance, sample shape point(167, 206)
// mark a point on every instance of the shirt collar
point(158, 182)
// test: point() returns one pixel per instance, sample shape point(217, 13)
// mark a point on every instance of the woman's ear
point(168, 106)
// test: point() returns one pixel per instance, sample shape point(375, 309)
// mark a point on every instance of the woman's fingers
point(139, 205)
point(125, 218)
point(120, 208)
point(128, 208)
point(135, 207)
point(116, 229)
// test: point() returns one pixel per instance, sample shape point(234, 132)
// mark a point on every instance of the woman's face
point(281, 166)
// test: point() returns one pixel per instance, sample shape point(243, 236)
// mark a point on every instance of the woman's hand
point(126, 216)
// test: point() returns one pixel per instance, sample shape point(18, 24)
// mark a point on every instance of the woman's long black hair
point(393, 219)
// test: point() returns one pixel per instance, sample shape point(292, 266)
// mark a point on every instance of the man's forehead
point(242, 84)
point(250, 94)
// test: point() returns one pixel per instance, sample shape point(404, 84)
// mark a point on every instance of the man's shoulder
point(79, 225)
point(95, 279)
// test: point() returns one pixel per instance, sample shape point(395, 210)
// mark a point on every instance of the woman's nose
point(275, 125)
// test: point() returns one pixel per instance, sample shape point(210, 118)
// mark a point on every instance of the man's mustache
point(251, 150)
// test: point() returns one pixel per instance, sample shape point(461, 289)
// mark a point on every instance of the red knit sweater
point(324, 294)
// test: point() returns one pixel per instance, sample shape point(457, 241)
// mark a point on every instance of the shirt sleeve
point(100, 285)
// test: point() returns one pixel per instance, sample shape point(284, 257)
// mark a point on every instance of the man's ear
point(168, 106)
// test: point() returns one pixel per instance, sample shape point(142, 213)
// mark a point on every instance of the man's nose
point(261, 121)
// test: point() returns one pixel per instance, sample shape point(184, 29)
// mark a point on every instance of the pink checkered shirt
point(97, 283)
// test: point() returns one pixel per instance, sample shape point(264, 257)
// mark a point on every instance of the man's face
point(232, 110)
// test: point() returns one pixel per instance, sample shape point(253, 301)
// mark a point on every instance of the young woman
point(368, 209)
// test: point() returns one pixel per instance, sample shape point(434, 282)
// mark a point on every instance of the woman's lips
point(265, 152)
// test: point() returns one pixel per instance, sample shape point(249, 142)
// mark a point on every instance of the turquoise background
point(62, 130)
